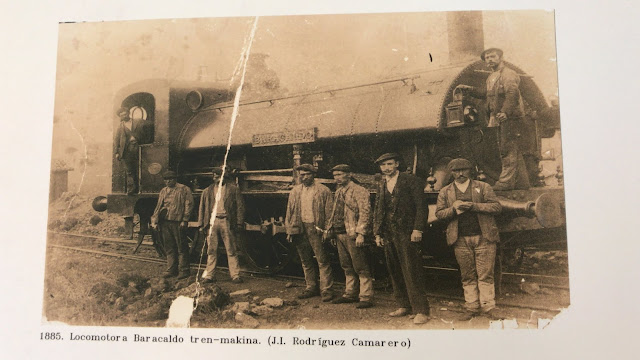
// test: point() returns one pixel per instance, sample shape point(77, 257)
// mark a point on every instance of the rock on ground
point(273, 302)
point(241, 307)
point(247, 320)
point(262, 310)
point(241, 292)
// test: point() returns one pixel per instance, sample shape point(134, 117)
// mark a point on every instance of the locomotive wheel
point(267, 253)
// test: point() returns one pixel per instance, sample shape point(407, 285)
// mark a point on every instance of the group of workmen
point(397, 222)
point(316, 216)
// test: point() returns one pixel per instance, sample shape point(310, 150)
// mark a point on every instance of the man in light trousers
point(470, 206)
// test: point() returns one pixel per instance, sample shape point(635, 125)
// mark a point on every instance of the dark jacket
point(233, 205)
point(409, 212)
point(505, 96)
point(486, 205)
point(322, 205)
point(121, 141)
point(357, 209)
point(179, 210)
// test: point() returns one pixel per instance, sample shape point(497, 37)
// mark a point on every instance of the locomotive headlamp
point(470, 114)
point(194, 100)
point(461, 111)
point(138, 113)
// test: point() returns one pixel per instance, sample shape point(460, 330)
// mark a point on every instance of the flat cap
point(495, 50)
point(388, 156)
point(342, 167)
point(170, 175)
point(459, 164)
point(306, 167)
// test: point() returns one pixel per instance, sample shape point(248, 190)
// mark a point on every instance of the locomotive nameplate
point(284, 137)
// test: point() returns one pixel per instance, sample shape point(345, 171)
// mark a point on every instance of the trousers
point(130, 160)
point(476, 257)
point(353, 260)
point(405, 269)
point(308, 245)
point(221, 229)
point(175, 246)
point(514, 171)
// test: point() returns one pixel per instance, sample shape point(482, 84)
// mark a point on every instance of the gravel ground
point(88, 289)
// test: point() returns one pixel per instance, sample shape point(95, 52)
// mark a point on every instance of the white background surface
point(597, 61)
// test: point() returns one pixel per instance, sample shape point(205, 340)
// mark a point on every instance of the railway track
point(121, 252)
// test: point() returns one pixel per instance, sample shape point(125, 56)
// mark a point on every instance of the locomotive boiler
point(422, 116)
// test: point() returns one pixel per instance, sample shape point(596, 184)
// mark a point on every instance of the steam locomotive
point(421, 116)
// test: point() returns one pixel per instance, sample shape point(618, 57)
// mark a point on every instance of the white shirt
point(463, 187)
point(391, 182)
point(220, 210)
point(306, 203)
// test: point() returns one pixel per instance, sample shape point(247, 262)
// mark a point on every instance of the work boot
point(468, 315)
point(399, 312)
point(169, 274)
point(208, 280)
point(421, 319)
point(327, 296)
point(343, 300)
point(237, 280)
point(364, 304)
point(308, 294)
point(492, 315)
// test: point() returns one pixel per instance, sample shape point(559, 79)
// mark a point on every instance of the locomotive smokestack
point(466, 35)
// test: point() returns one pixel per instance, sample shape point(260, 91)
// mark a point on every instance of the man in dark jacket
point(171, 214)
point(469, 206)
point(506, 111)
point(400, 218)
point(308, 208)
point(128, 136)
point(221, 219)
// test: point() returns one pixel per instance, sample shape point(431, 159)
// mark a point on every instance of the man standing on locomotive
point(400, 217)
point(171, 214)
point(310, 204)
point(469, 206)
point(224, 217)
point(350, 221)
point(128, 136)
point(506, 111)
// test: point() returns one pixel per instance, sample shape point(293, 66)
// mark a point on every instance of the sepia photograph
point(356, 171)
point(282, 179)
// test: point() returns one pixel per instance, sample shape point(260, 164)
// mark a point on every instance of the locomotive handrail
point(403, 79)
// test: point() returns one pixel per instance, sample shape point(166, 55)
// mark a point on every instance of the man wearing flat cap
point(400, 218)
point(128, 136)
point(505, 109)
point(221, 215)
point(470, 206)
point(171, 214)
point(350, 222)
point(308, 209)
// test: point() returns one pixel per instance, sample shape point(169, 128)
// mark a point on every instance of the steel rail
point(387, 298)
point(550, 281)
